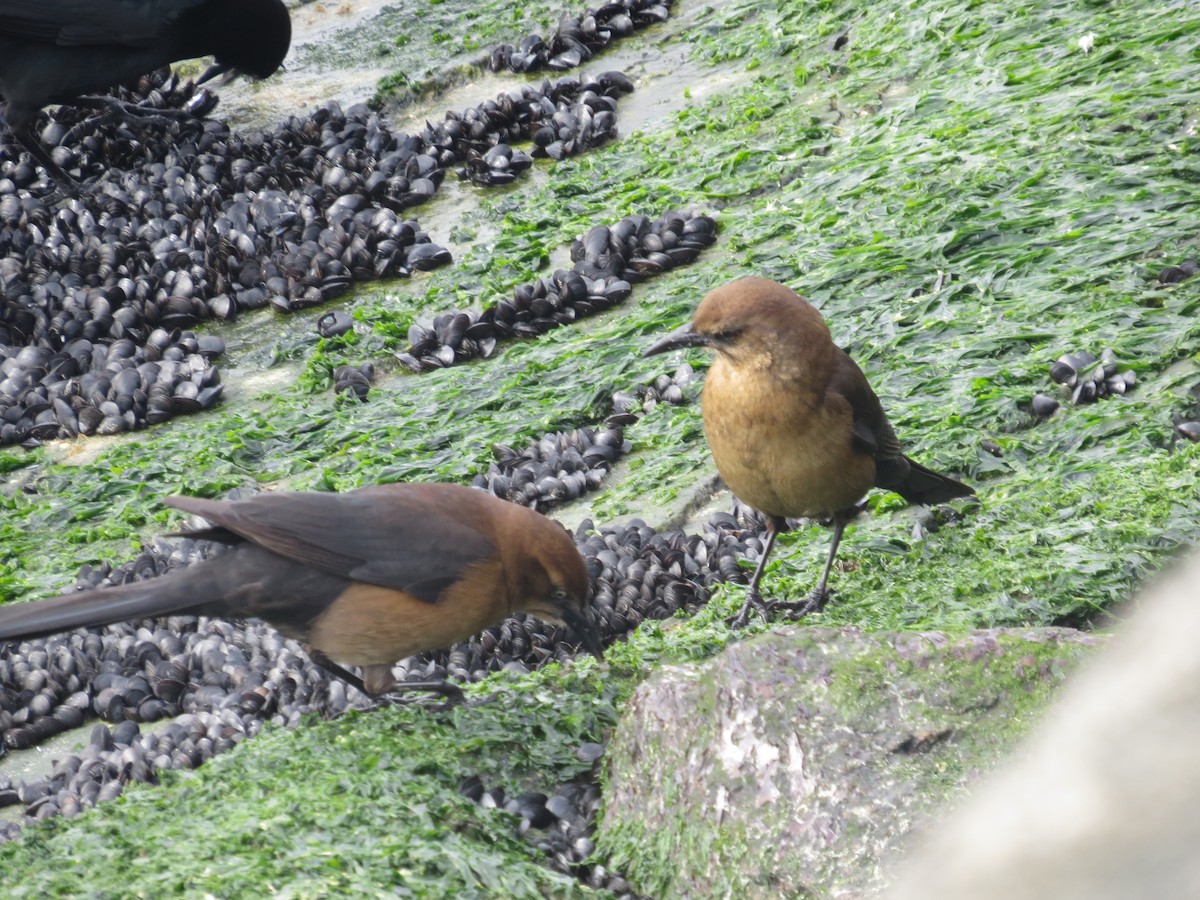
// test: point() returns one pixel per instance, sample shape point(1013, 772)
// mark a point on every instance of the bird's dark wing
point(123, 23)
point(408, 537)
point(872, 432)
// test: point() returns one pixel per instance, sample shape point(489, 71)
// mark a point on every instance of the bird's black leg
point(820, 594)
point(37, 151)
point(754, 599)
point(816, 601)
point(335, 670)
point(112, 108)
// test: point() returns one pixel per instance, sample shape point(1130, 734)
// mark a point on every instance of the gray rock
point(791, 763)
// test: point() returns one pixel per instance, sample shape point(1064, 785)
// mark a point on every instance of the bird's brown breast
point(370, 625)
point(781, 447)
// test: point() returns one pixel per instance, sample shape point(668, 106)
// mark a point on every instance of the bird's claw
point(815, 602)
point(754, 603)
point(402, 694)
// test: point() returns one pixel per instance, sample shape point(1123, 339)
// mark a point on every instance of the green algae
point(961, 189)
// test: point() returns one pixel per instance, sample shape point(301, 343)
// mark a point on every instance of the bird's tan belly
point(790, 469)
point(369, 625)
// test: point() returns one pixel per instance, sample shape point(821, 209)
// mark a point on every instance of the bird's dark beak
point(214, 71)
point(686, 336)
point(584, 626)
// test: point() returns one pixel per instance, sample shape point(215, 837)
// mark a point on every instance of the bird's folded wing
point(872, 433)
point(67, 23)
point(389, 535)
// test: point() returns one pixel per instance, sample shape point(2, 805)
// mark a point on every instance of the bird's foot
point(399, 693)
point(815, 602)
point(60, 195)
point(111, 107)
point(754, 604)
point(113, 110)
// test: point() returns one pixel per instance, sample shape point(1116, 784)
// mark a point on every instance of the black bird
point(367, 577)
point(793, 425)
point(58, 51)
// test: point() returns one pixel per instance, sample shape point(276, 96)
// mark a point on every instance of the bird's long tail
point(103, 606)
point(927, 487)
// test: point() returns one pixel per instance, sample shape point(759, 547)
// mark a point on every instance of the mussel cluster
point(563, 466)
point(1187, 424)
point(1087, 378)
point(354, 380)
point(562, 119)
point(193, 221)
point(216, 681)
point(560, 825)
point(666, 388)
point(578, 38)
point(91, 387)
point(556, 469)
point(607, 262)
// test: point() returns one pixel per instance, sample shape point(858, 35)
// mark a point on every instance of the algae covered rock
point(791, 763)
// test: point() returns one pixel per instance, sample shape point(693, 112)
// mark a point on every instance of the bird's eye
point(727, 335)
point(559, 596)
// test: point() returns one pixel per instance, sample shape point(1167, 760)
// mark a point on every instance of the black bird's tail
point(927, 487)
point(103, 606)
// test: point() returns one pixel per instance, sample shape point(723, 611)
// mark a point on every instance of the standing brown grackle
point(793, 425)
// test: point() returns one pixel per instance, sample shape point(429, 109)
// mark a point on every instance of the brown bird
point(793, 426)
point(367, 577)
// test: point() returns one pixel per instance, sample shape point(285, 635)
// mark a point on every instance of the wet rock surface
point(1070, 814)
point(792, 762)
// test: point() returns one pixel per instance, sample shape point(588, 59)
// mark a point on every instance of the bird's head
point(749, 321)
point(256, 47)
point(554, 583)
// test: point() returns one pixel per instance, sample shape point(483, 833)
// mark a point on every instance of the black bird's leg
point(112, 108)
point(820, 594)
point(38, 152)
point(335, 670)
point(754, 599)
